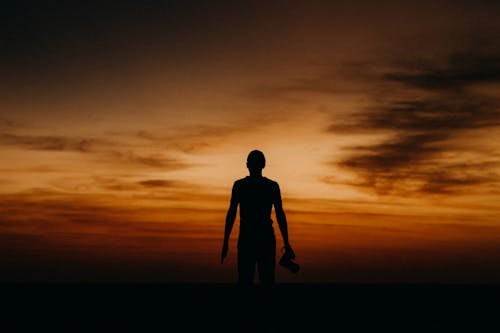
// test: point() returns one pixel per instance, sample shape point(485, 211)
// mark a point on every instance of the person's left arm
point(281, 219)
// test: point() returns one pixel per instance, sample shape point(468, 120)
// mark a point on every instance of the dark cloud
point(389, 155)
point(152, 160)
point(9, 124)
point(458, 178)
point(427, 177)
point(187, 140)
point(101, 151)
point(325, 83)
point(423, 110)
point(115, 184)
point(55, 143)
point(105, 151)
point(157, 183)
point(125, 153)
point(459, 71)
point(339, 79)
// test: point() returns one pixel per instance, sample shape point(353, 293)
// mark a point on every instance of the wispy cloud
point(189, 139)
point(114, 184)
point(120, 184)
point(144, 159)
point(40, 228)
point(459, 71)
point(196, 138)
point(101, 150)
point(157, 183)
point(39, 208)
point(9, 124)
point(55, 143)
point(423, 109)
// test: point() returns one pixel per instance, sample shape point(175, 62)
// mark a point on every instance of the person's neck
point(256, 174)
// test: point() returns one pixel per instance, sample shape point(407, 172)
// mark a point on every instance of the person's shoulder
point(240, 181)
point(271, 182)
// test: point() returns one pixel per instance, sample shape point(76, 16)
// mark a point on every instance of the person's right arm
point(230, 218)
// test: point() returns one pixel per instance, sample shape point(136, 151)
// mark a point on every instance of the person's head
point(256, 161)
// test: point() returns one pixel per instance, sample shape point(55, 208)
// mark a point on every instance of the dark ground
point(226, 308)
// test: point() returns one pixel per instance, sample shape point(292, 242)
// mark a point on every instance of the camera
point(286, 261)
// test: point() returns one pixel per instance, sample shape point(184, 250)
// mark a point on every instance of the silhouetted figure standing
point(256, 196)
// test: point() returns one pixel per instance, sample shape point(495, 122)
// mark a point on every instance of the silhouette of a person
point(256, 196)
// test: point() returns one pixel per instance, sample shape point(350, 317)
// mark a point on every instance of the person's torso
point(256, 198)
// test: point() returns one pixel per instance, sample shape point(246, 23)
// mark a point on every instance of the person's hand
point(289, 250)
point(223, 254)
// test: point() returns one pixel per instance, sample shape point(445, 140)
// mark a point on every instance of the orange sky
point(123, 128)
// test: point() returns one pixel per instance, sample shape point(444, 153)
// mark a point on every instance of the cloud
point(54, 143)
point(151, 160)
point(9, 124)
point(125, 153)
point(423, 110)
point(116, 184)
point(157, 183)
point(42, 229)
point(187, 139)
point(192, 139)
point(459, 71)
point(388, 155)
point(459, 178)
point(342, 79)
point(40, 208)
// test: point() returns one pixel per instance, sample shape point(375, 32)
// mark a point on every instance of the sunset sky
point(123, 126)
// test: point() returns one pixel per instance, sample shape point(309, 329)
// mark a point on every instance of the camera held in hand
point(286, 261)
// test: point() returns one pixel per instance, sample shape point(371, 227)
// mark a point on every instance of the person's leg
point(267, 263)
point(246, 267)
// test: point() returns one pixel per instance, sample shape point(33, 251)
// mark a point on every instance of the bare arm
point(281, 218)
point(230, 218)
